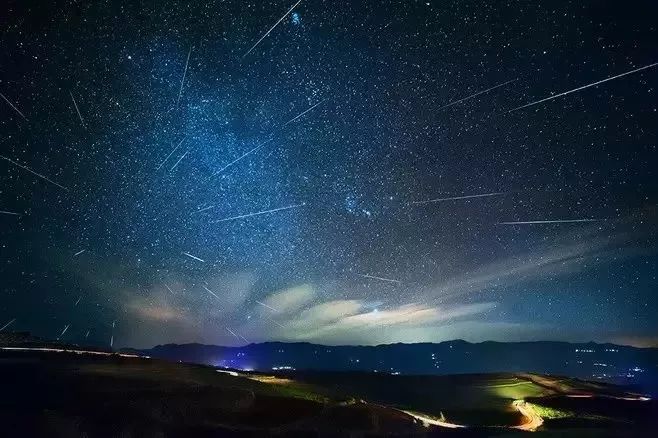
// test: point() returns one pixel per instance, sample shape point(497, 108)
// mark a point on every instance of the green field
point(472, 400)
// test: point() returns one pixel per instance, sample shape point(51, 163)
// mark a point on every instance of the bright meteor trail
point(179, 160)
point(33, 172)
point(583, 87)
point(77, 109)
point(302, 113)
point(560, 221)
point(12, 105)
point(194, 257)
point(171, 153)
point(63, 331)
point(455, 198)
point(258, 213)
point(374, 277)
point(271, 29)
point(475, 95)
point(242, 156)
point(266, 306)
point(182, 82)
point(7, 325)
point(209, 291)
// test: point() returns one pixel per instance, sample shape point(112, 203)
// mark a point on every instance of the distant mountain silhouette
point(635, 367)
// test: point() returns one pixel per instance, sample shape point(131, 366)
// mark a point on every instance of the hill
point(56, 392)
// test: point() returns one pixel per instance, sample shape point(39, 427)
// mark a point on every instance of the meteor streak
point(179, 160)
point(9, 213)
point(380, 278)
point(257, 213)
point(265, 305)
point(271, 29)
point(79, 252)
point(180, 91)
point(76, 303)
point(63, 331)
point(7, 325)
point(77, 109)
point(168, 288)
point(454, 198)
point(476, 94)
point(12, 105)
point(33, 172)
point(302, 113)
point(242, 156)
point(560, 221)
point(583, 87)
point(231, 332)
point(171, 153)
point(194, 257)
point(209, 291)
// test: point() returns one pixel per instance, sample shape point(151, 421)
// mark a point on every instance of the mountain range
point(629, 366)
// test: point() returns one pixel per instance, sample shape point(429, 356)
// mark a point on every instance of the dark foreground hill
point(623, 365)
point(77, 393)
point(60, 394)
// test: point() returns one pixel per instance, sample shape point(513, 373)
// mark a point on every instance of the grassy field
point(463, 399)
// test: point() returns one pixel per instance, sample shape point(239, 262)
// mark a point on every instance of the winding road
point(532, 417)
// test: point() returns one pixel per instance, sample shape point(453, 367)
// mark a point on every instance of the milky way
point(171, 173)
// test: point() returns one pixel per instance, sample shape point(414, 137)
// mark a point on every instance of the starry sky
point(236, 171)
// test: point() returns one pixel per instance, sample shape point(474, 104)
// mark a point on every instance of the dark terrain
point(103, 394)
point(70, 395)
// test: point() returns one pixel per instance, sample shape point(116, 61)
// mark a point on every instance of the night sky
point(168, 176)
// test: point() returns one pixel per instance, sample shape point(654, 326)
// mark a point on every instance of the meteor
point(12, 105)
point(380, 278)
point(583, 87)
point(258, 213)
point(7, 325)
point(168, 288)
point(194, 257)
point(171, 153)
point(209, 291)
point(231, 332)
point(33, 172)
point(242, 156)
point(454, 198)
point(76, 303)
point(79, 252)
point(77, 109)
point(179, 160)
point(557, 221)
point(271, 29)
point(9, 213)
point(180, 91)
point(476, 94)
point(266, 306)
point(66, 327)
point(302, 113)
